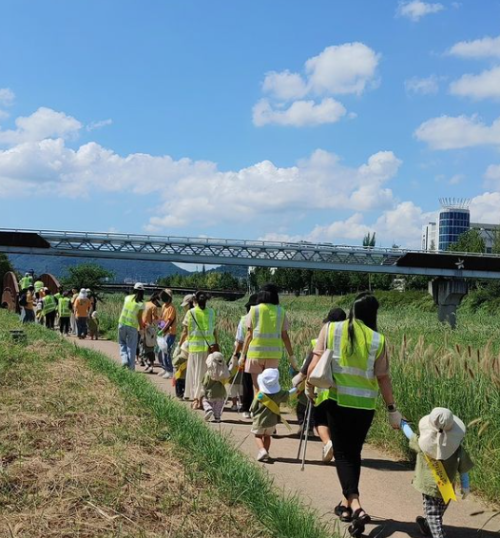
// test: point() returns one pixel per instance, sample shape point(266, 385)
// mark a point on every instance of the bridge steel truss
point(210, 251)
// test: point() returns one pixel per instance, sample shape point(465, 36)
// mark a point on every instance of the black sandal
point(357, 527)
point(340, 511)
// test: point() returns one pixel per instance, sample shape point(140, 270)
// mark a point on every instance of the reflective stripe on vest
point(355, 382)
point(64, 307)
point(201, 331)
point(130, 311)
point(49, 304)
point(267, 325)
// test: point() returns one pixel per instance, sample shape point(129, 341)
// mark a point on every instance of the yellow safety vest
point(25, 282)
point(49, 304)
point(38, 285)
point(130, 311)
point(64, 307)
point(353, 369)
point(201, 331)
point(267, 324)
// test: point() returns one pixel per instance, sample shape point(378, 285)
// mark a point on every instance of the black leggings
point(64, 325)
point(348, 429)
point(248, 393)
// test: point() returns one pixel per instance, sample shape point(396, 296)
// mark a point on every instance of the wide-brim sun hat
point(441, 433)
point(269, 381)
point(139, 286)
point(187, 299)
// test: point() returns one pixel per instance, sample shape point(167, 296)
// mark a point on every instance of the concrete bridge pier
point(448, 294)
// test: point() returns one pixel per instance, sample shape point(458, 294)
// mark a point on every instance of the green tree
point(496, 242)
point(86, 275)
point(469, 241)
point(369, 240)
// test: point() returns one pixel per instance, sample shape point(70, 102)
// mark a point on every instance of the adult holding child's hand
point(360, 367)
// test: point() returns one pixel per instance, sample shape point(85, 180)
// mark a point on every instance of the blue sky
point(282, 120)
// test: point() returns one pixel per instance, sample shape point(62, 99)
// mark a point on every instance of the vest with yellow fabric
point(26, 282)
point(353, 368)
point(49, 304)
point(267, 323)
point(64, 307)
point(130, 312)
point(201, 327)
point(39, 285)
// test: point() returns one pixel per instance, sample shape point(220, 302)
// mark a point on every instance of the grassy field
point(431, 365)
point(88, 449)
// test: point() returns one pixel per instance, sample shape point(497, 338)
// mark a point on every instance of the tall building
point(454, 220)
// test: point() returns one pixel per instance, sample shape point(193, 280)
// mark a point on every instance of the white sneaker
point(209, 415)
point(262, 455)
point(148, 369)
point(234, 407)
point(328, 452)
point(167, 375)
point(246, 414)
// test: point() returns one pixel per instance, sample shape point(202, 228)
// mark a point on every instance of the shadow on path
point(389, 527)
point(379, 465)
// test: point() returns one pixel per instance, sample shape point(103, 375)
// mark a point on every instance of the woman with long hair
point(267, 335)
point(199, 330)
point(361, 371)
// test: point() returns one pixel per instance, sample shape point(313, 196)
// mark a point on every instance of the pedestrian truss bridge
point(301, 255)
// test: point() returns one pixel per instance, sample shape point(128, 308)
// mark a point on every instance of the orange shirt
point(150, 313)
point(168, 313)
point(82, 308)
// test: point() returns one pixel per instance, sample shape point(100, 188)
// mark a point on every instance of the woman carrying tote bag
point(360, 370)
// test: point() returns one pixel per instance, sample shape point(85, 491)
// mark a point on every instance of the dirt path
point(386, 489)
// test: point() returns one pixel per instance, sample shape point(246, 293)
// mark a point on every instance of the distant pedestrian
point(439, 452)
point(247, 390)
point(199, 330)
point(29, 307)
point(82, 309)
point(169, 331)
point(129, 324)
point(64, 310)
point(266, 410)
point(49, 309)
point(93, 323)
point(213, 390)
point(72, 319)
point(179, 361)
point(361, 368)
point(267, 334)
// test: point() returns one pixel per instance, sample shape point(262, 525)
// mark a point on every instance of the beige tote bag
point(322, 375)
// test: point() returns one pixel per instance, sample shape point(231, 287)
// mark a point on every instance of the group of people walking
point(342, 409)
point(73, 312)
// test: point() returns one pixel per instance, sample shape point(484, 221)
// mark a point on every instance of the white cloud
point(422, 86)
point(342, 69)
point(338, 70)
point(7, 96)
point(486, 208)
point(416, 9)
point(487, 47)
point(42, 124)
point(285, 85)
point(448, 132)
point(299, 113)
point(486, 85)
point(3, 115)
point(492, 177)
point(353, 228)
point(98, 124)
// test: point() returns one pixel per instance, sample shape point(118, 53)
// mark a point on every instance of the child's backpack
point(150, 336)
point(23, 300)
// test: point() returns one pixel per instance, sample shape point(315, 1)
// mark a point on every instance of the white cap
point(27, 274)
point(269, 381)
point(139, 286)
point(187, 299)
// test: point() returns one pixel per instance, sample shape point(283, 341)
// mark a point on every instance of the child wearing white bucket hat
point(266, 410)
point(440, 456)
point(214, 391)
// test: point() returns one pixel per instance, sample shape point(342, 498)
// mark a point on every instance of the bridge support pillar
point(448, 294)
